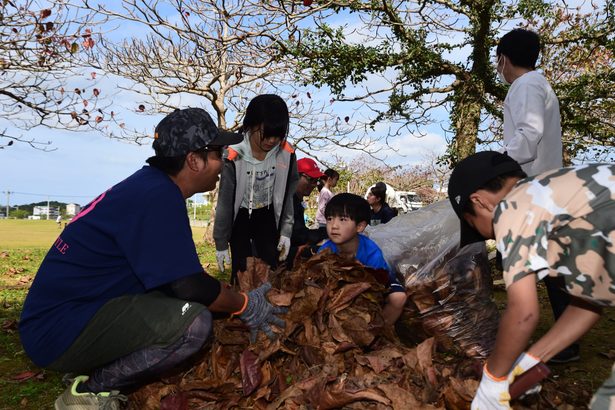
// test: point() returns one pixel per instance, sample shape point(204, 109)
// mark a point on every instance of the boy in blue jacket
point(347, 216)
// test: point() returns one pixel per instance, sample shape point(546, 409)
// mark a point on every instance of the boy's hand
point(492, 393)
point(284, 247)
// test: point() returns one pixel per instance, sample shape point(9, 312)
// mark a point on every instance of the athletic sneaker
point(71, 399)
point(569, 354)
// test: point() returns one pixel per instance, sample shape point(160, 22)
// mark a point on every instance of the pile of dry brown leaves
point(335, 352)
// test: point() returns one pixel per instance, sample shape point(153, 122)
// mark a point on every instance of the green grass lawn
point(23, 233)
point(23, 245)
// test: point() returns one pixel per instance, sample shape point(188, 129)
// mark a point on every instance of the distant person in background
point(532, 134)
point(254, 214)
point(325, 185)
point(381, 212)
point(59, 221)
point(304, 239)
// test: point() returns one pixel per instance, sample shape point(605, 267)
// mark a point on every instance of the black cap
point(188, 130)
point(471, 174)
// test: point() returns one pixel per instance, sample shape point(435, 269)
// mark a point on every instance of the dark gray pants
point(134, 338)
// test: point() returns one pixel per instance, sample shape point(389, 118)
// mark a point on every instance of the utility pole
point(8, 201)
point(47, 208)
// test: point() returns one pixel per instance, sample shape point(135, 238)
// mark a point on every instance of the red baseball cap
point(308, 167)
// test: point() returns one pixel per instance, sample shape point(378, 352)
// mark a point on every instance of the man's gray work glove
point(259, 313)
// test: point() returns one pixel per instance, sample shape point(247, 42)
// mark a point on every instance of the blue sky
point(85, 164)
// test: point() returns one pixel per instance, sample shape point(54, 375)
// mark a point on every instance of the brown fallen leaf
point(251, 375)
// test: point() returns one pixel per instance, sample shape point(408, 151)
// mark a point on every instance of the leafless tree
point(40, 50)
point(217, 54)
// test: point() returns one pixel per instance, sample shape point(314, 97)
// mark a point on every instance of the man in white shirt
point(532, 132)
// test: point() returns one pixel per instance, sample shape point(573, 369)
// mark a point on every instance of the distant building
point(41, 212)
point(72, 209)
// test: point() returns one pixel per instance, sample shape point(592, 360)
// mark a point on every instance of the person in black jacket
point(381, 211)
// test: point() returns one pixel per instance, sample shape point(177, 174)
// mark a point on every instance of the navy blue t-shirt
point(133, 238)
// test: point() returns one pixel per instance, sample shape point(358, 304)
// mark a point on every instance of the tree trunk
point(465, 118)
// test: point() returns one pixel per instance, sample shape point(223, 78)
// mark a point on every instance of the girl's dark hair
point(521, 47)
point(380, 191)
point(270, 111)
point(330, 173)
point(349, 205)
point(168, 165)
point(493, 185)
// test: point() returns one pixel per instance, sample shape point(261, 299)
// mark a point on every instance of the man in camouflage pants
point(557, 223)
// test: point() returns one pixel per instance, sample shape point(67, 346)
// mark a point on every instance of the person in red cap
point(309, 175)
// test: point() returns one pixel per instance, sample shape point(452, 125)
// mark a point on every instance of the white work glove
point(524, 363)
point(492, 394)
point(221, 257)
point(283, 247)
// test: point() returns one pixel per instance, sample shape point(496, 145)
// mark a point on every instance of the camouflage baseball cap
point(188, 130)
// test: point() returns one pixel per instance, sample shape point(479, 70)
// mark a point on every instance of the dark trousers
point(253, 235)
point(135, 338)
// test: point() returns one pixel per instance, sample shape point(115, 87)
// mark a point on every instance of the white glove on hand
point(524, 363)
point(492, 394)
point(221, 257)
point(284, 247)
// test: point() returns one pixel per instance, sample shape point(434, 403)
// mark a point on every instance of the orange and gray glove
point(492, 393)
point(258, 313)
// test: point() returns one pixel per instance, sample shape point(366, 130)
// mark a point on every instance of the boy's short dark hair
point(521, 47)
point(348, 205)
point(270, 111)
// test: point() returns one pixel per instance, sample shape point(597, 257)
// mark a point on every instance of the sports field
point(28, 234)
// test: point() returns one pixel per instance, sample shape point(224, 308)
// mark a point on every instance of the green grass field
point(23, 233)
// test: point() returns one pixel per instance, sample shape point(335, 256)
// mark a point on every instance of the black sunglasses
point(310, 179)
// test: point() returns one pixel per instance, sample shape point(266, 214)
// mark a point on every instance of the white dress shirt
point(532, 130)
